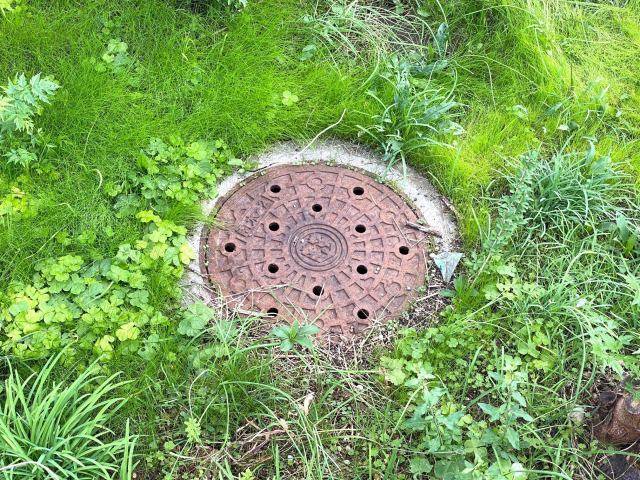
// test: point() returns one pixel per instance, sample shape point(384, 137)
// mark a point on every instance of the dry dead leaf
point(306, 403)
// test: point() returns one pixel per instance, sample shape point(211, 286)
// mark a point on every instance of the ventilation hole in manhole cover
point(319, 266)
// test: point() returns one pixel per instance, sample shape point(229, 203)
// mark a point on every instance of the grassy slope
point(200, 80)
point(538, 54)
point(196, 80)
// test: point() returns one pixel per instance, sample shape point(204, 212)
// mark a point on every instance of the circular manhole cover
point(316, 243)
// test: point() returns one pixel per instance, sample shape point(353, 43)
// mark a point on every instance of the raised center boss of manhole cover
point(316, 243)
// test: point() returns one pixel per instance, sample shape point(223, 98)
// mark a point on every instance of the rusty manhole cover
point(316, 243)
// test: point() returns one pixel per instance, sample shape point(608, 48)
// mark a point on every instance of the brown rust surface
point(622, 424)
point(317, 243)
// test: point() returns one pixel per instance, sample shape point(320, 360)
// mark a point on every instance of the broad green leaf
point(186, 253)
point(493, 412)
point(513, 437)
point(195, 319)
point(128, 331)
point(420, 466)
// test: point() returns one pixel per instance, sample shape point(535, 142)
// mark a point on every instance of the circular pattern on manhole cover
point(316, 243)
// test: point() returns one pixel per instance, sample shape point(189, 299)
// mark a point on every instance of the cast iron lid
point(318, 243)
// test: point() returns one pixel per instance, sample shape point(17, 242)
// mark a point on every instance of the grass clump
point(534, 76)
point(417, 118)
point(267, 407)
point(58, 430)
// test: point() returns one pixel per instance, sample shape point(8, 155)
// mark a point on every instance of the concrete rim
point(416, 188)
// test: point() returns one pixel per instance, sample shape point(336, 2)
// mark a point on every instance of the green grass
point(544, 310)
point(546, 76)
point(197, 80)
point(537, 54)
point(53, 430)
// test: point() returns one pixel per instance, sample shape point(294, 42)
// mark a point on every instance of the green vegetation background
point(530, 74)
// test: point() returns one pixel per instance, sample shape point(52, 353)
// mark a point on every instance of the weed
point(8, 6)
point(289, 99)
point(295, 334)
point(417, 118)
point(72, 299)
point(195, 320)
point(22, 101)
point(16, 203)
point(107, 302)
point(176, 172)
point(116, 57)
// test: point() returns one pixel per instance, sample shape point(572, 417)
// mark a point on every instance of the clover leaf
point(128, 331)
point(195, 319)
point(186, 253)
point(289, 99)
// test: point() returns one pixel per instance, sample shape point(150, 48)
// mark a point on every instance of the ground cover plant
point(117, 118)
point(52, 430)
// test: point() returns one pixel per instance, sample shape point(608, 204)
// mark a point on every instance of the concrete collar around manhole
point(321, 243)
